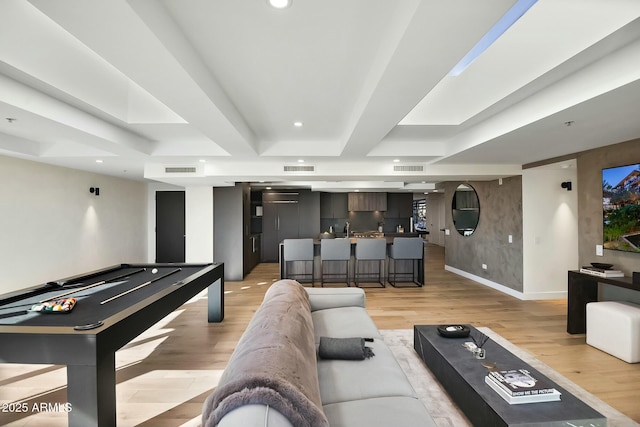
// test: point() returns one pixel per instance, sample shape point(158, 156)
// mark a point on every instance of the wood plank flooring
point(166, 373)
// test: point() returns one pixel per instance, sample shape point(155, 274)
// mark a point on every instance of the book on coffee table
point(519, 382)
point(601, 272)
point(554, 395)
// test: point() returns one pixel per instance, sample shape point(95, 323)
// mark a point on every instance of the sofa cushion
point(379, 376)
point(379, 412)
point(323, 298)
point(254, 415)
point(343, 322)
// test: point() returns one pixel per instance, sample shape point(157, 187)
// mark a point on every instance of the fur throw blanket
point(274, 362)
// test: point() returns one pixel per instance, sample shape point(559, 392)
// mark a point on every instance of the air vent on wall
point(299, 168)
point(183, 169)
point(408, 168)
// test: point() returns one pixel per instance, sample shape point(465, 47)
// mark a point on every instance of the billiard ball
point(154, 271)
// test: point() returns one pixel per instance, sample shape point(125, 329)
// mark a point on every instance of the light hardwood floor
point(166, 373)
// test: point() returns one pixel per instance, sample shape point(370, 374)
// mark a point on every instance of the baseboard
point(507, 290)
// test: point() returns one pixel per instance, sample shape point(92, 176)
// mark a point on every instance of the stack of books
point(518, 386)
point(601, 272)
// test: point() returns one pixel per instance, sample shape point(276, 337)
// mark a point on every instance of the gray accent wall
point(590, 165)
point(500, 216)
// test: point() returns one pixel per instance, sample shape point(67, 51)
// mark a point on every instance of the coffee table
point(462, 376)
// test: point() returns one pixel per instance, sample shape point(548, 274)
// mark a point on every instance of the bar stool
point(370, 250)
point(409, 249)
point(332, 250)
point(298, 250)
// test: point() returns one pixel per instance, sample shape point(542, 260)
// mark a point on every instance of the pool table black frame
point(90, 355)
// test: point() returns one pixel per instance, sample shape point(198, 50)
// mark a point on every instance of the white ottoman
point(614, 327)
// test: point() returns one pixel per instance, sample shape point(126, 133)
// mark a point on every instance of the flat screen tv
point(621, 208)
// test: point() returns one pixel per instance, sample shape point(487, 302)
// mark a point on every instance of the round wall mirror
point(465, 209)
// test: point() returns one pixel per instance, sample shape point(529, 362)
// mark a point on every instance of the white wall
point(550, 230)
point(199, 224)
point(52, 227)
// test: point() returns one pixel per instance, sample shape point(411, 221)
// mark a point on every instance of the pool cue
point(102, 282)
point(139, 286)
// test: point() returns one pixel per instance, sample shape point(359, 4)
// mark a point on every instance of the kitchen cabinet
point(334, 205)
point(399, 205)
point(280, 221)
point(288, 215)
point(367, 202)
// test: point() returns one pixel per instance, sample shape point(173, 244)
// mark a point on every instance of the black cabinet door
point(340, 205)
point(288, 221)
point(270, 232)
point(326, 205)
point(280, 221)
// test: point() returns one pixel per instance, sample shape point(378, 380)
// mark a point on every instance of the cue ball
point(154, 271)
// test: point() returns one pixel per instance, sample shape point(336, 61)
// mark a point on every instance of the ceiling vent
point(299, 168)
point(180, 169)
point(408, 168)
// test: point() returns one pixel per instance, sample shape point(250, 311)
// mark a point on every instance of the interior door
point(170, 226)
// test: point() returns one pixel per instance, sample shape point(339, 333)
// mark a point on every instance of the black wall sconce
point(95, 191)
point(567, 185)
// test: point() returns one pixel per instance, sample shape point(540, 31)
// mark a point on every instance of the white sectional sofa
point(338, 393)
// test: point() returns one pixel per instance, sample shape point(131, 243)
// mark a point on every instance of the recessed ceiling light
point(202, 160)
point(268, 188)
point(357, 191)
point(98, 161)
point(300, 160)
point(279, 4)
point(297, 124)
point(396, 160)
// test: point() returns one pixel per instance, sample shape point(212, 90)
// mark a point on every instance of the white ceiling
point(218, 84)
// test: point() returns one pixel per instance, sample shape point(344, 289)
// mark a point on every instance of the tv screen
point(621, 208)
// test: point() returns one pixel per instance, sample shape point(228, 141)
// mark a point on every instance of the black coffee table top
point(463, 376)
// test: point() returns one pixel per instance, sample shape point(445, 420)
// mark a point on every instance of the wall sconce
point(567, 185)
point(94, 190)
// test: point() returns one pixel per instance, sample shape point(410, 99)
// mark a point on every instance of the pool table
point(113, 306)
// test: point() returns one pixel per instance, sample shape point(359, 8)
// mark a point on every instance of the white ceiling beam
point(146, 46)
point(607, 74)
point(393, 88)
point(100, 134)
point(15, 144)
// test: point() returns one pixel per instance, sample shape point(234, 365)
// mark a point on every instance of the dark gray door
point(170, 228)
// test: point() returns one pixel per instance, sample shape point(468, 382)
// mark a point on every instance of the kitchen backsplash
point(365, 221)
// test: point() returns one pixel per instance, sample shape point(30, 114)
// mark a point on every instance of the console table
point(583, 289)
point(462, 376)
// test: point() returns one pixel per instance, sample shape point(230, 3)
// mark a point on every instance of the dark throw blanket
point(344, 349)
point(274, 362)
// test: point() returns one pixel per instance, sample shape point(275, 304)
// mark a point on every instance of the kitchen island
point(333, 268)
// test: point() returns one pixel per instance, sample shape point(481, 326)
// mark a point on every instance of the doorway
point(170, 226)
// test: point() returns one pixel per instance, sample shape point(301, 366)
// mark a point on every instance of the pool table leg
point(215, 301)
point(91, 390)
